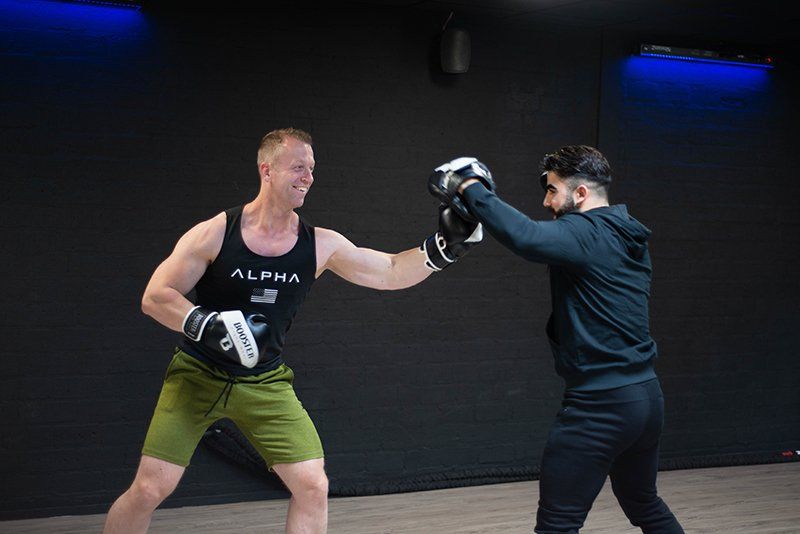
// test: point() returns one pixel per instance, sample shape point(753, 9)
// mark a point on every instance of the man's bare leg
point(132, 511)
point(308, 508)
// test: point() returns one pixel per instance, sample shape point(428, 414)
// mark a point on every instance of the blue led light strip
point(704, 60)
point(704, 56)
point(110, 3)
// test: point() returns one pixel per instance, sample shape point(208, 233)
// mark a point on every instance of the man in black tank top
point(251, 267)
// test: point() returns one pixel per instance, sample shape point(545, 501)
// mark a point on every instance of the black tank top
point(239, 279)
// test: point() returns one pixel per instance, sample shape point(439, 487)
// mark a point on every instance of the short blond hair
point(271, 143)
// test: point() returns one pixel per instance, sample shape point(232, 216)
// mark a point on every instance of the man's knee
point(636, 501)
point(312, 486)
point(155, 481)
point(306, 481)
point(150, 493)
point(649, 512)
point(561, 519)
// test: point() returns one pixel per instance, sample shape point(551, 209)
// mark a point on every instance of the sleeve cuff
point(473, 192)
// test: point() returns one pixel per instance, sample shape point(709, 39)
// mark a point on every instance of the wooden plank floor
point(755, 499)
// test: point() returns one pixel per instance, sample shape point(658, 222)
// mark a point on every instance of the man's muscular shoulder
point(328, 242)
point(205, 238)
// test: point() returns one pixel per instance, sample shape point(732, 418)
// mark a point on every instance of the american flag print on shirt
point(267, 296)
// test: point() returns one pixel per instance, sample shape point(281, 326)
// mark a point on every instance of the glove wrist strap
point(436, 253)
point(195, 322)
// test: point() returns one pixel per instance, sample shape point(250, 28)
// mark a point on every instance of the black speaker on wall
point(455, 50)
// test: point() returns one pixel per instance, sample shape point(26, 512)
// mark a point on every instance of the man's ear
point(264, 171)
point(580, 194)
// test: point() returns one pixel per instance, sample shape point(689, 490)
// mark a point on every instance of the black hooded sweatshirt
point(599, 283)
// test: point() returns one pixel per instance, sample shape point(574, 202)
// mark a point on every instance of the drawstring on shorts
point(230, 380)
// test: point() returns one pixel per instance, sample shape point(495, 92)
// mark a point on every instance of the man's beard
point(567, 207)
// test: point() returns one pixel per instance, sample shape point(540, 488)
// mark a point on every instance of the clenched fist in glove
point(240, 339)
point(454, 239)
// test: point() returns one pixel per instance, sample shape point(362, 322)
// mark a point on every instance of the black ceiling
point(771, 23)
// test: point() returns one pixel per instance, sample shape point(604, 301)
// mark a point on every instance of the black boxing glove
point(238, 338)
point(448, 178)
point(456, 236)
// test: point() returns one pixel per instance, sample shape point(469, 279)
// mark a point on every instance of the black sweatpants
point(605, 433)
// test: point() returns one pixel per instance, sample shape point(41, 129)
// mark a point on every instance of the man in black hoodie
point(612, 412)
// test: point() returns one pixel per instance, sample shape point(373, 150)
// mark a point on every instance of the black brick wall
point(121, 132)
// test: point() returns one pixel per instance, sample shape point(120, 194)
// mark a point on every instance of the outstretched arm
point(367, 267)
point(558, 242)
point(466, 185)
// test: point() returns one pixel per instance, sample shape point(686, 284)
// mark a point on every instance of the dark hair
point(578, 162)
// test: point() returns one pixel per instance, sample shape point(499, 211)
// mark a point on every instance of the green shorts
point(264, 407)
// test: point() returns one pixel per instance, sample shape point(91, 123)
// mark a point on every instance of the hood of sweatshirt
point(633, 234)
